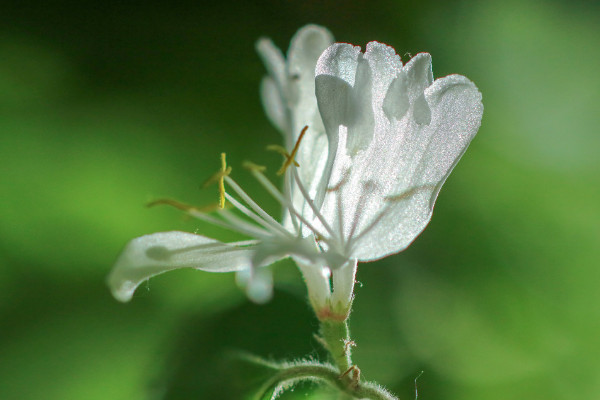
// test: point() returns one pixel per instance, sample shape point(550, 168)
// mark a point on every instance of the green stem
point(328, 374)
point(336, 337)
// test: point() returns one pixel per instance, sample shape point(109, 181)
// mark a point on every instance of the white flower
point(394, 136)
point(374, 141)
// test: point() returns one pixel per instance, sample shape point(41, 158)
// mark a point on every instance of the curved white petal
point(273, 104)
point(273, 60)
point(335, 74)
point(350, 90)
point(305, 48)
point(153, 254)
point(384, 173)
point(294, 81)
point(408, 88)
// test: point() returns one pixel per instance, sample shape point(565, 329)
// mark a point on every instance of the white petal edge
point(153, 254)
point(273, 59)
point(306, 47)
point(273, 104)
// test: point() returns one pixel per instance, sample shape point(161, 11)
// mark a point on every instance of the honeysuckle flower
point(368, 144)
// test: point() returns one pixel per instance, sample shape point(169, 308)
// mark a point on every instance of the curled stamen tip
point(218, 177)
point(282, 170)
point(289, 158)
point(183, 206)
point(224, 172)
point(173, 203)
point(249, 165)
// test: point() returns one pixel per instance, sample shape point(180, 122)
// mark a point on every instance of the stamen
point(256, 218)
point(278, 149)
point(235, 220)
point(200, 214)
point(182, 206)
point(289, 158)
point(279, 197)
point(257, 171)
point(218, 178)
point(255, 207)
point(221, 181)
point(287, 187)
point(250, 166)
point(312, 205)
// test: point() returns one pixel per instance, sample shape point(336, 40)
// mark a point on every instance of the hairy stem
point(336, 337)
point(292, 373)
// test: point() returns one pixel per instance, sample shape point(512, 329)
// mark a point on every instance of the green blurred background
point(107, 105)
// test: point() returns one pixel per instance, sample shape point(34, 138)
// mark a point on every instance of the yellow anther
point(249, 165)
point(281, 150)
point(289, 157)
point(182, 206)
point(222, 181)
point(219, 177)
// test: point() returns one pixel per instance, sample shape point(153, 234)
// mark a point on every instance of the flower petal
point(384, 172)
point(305, 48)
point(294, 82)
point(289, 100)
point(335, 74)
point(428, 153)
point(153, 254)
point(273, 60)
point(409, 88)
point(273, 104)
point(350, 89)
